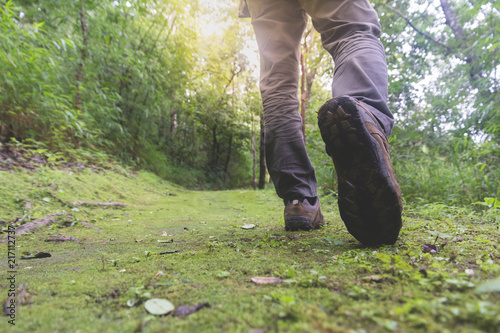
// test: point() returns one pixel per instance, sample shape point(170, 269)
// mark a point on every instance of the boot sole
point(368, 201)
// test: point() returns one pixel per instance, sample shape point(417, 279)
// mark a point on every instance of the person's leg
point(355, 124)
point(349, 31)
point(369, 196)
point(278, 26)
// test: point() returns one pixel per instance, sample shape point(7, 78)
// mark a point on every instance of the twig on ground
point(88, 225)
point(87, 203)
point(61, 238)
point(32, 226)
point(90, 203)
point(53, 195)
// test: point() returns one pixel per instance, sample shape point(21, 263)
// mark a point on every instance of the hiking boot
point(369, 196)
point(302, 215)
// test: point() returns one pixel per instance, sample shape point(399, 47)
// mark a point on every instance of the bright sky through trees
point(214, 23)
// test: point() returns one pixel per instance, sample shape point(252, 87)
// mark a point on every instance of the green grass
point(330, 278)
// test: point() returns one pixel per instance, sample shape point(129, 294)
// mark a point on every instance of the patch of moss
point(331, 282)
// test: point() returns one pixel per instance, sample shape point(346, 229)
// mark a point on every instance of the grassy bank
point(189, 248)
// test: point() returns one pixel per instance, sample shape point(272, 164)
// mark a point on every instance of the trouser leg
point(278, 26)
point(349, 31)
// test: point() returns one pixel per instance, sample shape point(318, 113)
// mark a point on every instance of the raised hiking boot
point(369, 196)
point(302, 215)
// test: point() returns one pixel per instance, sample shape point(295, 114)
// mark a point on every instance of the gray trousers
point(349, 31)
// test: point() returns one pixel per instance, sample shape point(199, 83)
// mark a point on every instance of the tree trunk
point(83, 52)
point(452, 22)
point(215, 146)
point(254, 155)
point(228, 159)
point(173, 123)
point(458, 31)
point(262, 157)
point(307, 59)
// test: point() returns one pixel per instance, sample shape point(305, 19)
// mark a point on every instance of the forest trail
point(199, 248)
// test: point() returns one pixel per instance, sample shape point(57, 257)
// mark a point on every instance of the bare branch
point(408, 21)
point(452, 22)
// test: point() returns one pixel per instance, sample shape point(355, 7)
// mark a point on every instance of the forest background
point(171, 86)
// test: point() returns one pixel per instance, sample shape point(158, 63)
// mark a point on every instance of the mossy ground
point(331, 282)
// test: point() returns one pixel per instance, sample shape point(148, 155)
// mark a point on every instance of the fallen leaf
point(138, 240)
point(186, 310)
point(333, 241)
point(158, 306)
point(223, 275)
point(165, 241)
point(492, 286)
point(248, 226)
point(431, 248)
point(374, 278)
point(455, 284)
point(294, 236)
point(265, 280)
point(164, 234)
point(159, 274)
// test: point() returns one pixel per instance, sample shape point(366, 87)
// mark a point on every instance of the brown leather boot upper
point(301, 215)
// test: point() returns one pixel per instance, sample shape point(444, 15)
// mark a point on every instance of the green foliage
point(35, 98)
point(452, 171)
point(443, 78)
point(146, 82)
point(129, 78)
point(445, 142)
